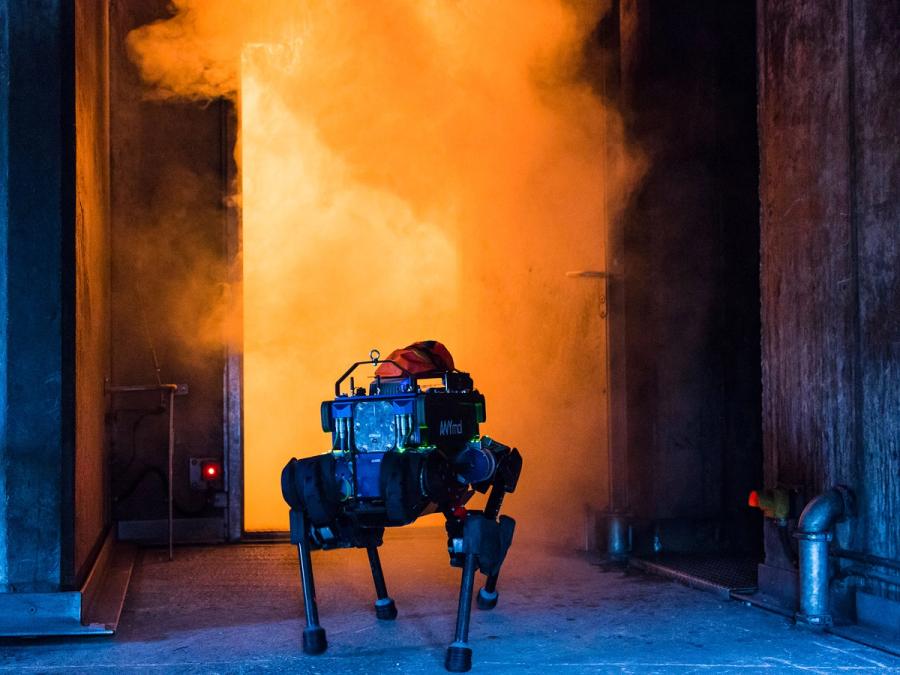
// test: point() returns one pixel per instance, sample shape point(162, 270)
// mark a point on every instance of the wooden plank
point(876, 102)
point(807, 265)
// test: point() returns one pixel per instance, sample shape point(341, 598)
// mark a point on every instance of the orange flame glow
point(413, 169)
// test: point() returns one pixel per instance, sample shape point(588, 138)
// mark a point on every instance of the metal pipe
point(867, 558)
point(813, 534)
point(126, 388)
point(171, 474)
point(865, 574)
point(171, 390)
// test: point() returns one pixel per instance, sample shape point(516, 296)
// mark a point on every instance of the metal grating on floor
point(721, 574)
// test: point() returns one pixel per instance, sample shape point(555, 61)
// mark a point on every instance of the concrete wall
point(53, 292)
point(4, 305)
point(38, 225)
point(829, 95)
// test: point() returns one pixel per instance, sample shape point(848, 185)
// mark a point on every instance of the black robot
point(407, 447)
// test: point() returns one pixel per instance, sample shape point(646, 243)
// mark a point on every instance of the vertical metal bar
point(234, 366)
point(814, 580)
point(171, 473)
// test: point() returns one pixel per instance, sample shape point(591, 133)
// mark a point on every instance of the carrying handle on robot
point(375, 360)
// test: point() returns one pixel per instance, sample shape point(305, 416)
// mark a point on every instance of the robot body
point(406, 447)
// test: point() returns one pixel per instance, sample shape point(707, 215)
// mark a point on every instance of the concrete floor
point(236, 609)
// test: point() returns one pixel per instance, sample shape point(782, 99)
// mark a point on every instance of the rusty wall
point(829, 92)
point(92, 275)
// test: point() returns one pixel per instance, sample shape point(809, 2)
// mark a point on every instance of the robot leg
point(314, 641)
point(459, 654)
point(484, 545)
point(384, 606)
point(487, 595)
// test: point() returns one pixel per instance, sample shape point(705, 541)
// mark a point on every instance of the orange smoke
point(410, 170)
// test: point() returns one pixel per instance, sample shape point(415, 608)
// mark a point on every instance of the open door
point(384, 203)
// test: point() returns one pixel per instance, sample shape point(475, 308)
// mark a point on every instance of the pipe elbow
point(820, 515)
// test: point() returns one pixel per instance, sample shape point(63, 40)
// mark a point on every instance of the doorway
point(420, 217)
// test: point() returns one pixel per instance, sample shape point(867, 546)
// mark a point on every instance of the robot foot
point(314, 641)
point(385, 609)
point(459, 658)
point(485, 600)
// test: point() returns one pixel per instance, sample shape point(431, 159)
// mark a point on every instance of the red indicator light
point(754, 499)
point(211, 471)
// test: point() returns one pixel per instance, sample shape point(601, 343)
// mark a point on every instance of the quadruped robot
point(407, 447)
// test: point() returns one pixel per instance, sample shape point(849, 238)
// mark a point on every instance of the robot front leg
point(488, 595)
point(384, 606)
point(459, 654)
point(483, 545)
point(314, 641)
